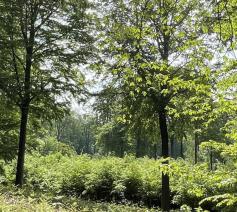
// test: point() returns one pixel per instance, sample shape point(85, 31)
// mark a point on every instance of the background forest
point(123, 105)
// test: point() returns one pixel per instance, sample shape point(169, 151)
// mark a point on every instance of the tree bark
point(165, 196)
point(22, 143)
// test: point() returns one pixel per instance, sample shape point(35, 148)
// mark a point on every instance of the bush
point(223, 202)
point(50, 145)
point(131, 180)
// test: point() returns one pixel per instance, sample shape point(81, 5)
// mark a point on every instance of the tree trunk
point(87, 144)
point(165, 196)
point(211, 160)
point(140, 145)
point(196, 148)
point(155, 151)
point(172, 146)
point(25, 100)
point(122, 148)
point(22, 143)
point(25, 105)
point(181, 148)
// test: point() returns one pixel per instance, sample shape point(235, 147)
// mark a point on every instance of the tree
point(158, 53)
point(221, 23)
point(121, 128)
point(77, 131)
point(110, 130)
point(40, 45)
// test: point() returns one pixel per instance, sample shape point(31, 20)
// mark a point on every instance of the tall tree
point(77, 131)
point(41, 43)
point(158, 53)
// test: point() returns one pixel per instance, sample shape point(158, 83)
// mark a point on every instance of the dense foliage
point(132, 180)
point(128, 102)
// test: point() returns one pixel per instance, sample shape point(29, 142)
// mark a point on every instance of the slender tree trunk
point(22, 143)
point(155, 151)
point(181, 148)
point(195, 148)
point(87, 145)
point(172, 146)
point(25, 105)
point(28, 35)
point(59, 130)
point(122, 148)
point(140, 145)
point(211, 160)
point(165, 196)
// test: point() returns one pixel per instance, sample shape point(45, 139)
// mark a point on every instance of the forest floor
point(10, 202)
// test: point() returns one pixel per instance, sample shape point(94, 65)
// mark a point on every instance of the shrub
point(130, 180)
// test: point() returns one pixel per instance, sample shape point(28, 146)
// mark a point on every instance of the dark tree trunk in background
point(211, 160)
point(165, 196)
point(87, 140)
point(181, 148)
point(172, 146)
point(155, 151)
point(140, 145)
point(122, 149)
point(22, 144)
point(195, 148)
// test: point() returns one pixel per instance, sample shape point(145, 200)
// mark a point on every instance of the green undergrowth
point(128, 181)
point(21, 201)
